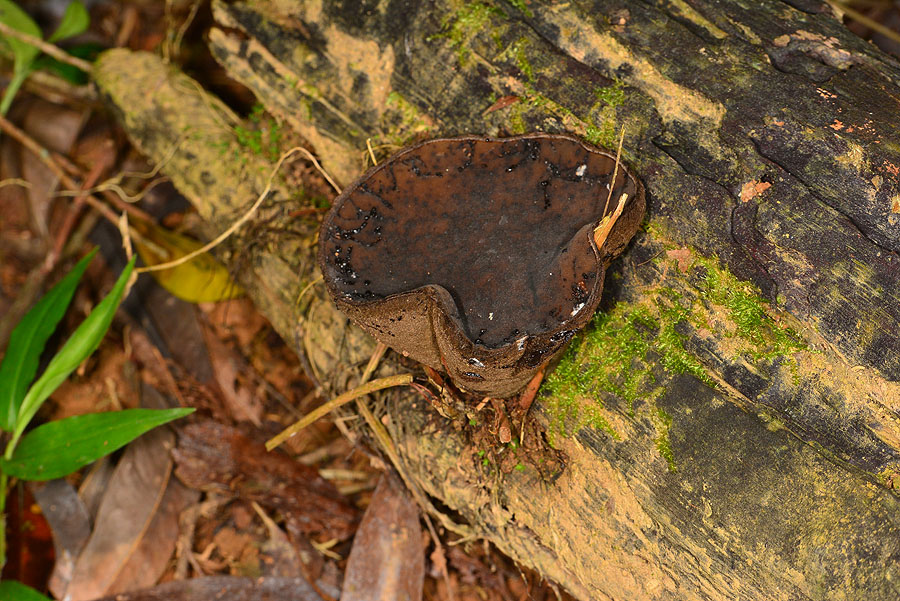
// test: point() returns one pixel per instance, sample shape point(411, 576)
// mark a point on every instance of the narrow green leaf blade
point(10, 589)
point(75, 20)
point(18, 19)
point(83, 341)
point(58, 448)
point(26, 343)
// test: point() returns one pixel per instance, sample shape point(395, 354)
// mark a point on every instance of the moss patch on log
point(614, 357)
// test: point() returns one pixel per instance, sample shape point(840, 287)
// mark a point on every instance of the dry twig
point(380, 384)
point(46, 47)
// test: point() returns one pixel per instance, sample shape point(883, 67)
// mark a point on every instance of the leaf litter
point(234, 519)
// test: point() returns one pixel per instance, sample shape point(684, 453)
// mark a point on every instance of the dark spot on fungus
point(485, 246)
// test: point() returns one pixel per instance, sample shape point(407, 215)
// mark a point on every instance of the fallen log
point(730, 423)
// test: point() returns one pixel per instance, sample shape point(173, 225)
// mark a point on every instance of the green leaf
point(26, 343)
point(12, 590)
point(23, 54)
point(18, 19)
point(75, 20)
point(84, 340)
point(88, 51)
point(58, 448)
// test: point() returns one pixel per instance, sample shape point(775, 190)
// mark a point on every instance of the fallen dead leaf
point(211, 455)
point(149, 559)
point(279, 556)
point(135, 491)
point(222, 588)
point(71, 525)
point(241, 403)
point(387, 562)
point(115, 555)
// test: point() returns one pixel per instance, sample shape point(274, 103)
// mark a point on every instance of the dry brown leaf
point(55, 128)
point(224, 588)
point(387, 562)
point(279, 556)
point(682, 256)
point(131, 501)
point(213, 455)
point(176, 323)
point(242, 405)
point(149, 559)
point(105, 386)
point(71, 525)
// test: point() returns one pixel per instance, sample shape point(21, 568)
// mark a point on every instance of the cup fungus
point(480, 257)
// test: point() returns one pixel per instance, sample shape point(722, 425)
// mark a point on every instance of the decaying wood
point(748, 464)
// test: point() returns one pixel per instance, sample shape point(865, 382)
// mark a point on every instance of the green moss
point(464, 24)
point(613, 357)
point(411, 117)
point(517, 53)
point(608, 99)
point(608, 358)
point(663, 421)
point(263, 136)
point(613, 95)
point(593, 135)
point(516, 119)
point(603, 136)
point(762, 337)
point(670, 342)
point(402, 121)
point(522, 7)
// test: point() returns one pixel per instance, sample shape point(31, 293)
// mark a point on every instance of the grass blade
point(84, 340)
point(58, 448)
point(26, 343)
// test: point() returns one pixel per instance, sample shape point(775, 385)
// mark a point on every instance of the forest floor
point(222, 505)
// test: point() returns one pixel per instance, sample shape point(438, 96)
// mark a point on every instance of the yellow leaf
point(200, 280)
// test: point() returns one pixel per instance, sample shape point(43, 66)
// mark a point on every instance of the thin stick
point(371, 152)
point(176, 43)
point(54, 51)
point(864, 20)
point(324, 173)
point(612, 184)
point(350, 395)
point(307, 288)
point(52, 163)
point(15, 181)
point(234, 226)
point(380, 349)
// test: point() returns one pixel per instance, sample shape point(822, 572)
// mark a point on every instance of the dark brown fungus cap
point(476, 256)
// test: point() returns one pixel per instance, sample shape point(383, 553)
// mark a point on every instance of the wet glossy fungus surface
point(492, 222)
point(499, 232)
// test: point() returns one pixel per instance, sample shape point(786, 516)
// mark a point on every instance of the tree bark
point(736, 413)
